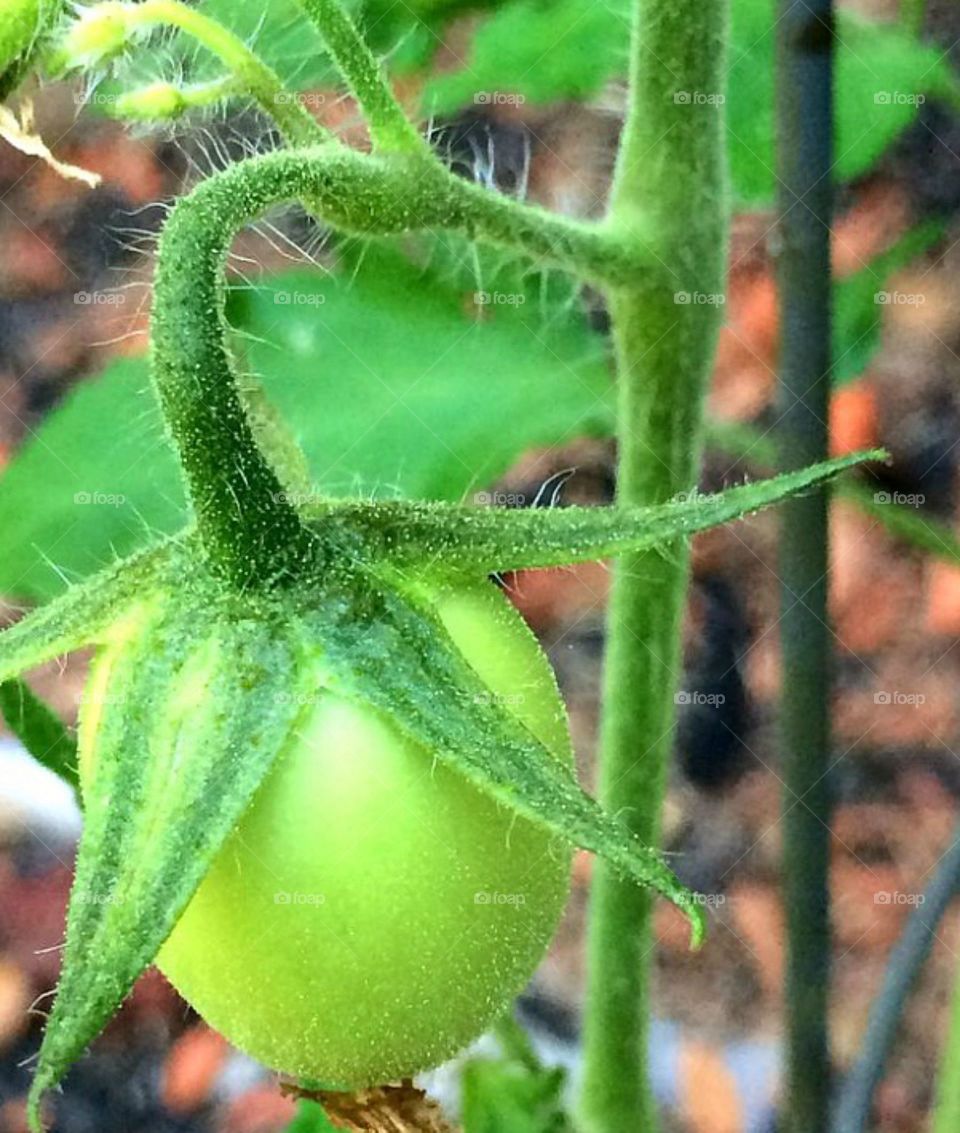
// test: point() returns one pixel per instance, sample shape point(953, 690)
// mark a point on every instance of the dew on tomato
point(373, 912)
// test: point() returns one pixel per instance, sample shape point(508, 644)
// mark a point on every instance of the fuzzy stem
point(249, 529)
point(669, 195)
point(253, 75)
point(805, 168)
point(390, 128)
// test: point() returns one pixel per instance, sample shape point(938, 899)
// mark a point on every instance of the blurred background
point(75, 265)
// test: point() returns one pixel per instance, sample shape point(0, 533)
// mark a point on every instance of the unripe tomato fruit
point(373, 912)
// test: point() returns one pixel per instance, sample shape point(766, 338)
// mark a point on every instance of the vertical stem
point(669, 199)
point(946, 1116)
point(390, 128)
point(805, 160)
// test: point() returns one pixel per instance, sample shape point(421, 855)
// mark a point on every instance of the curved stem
point(252, 74)
point(249, 529)
point(390, 128)
point(903, 966)
point(669, 195)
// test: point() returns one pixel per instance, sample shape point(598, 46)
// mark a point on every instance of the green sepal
point(39, 729)
point(481, 540)
point(200, 698)
point(80, 615)
point(386, 648)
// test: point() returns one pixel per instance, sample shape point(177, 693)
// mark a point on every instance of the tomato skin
point(373, 912)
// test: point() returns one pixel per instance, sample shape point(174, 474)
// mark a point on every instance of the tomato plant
point(372, 912)
point(326, 778)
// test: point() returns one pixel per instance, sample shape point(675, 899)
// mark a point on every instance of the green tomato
point(374, 912)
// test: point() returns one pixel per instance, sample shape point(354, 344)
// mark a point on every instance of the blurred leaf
point(395, 382)
point(514, 1093)
point(543, 50)
point(546, 50)
point(861, 300)
point(39, 729)
point(310, 1119)
point(883, 75)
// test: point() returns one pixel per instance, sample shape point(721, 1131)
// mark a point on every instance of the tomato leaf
point(862, 299)
point(39, 729)
point(393, 379)
point(387, 649)
point(310, 1118)
point(481, 540)
point(150, 834)
point(883, 76)
point(82, 613)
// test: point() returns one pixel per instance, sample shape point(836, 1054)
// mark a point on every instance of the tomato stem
point(669, 196)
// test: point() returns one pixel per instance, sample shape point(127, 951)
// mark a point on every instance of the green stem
point(669, 195)
point(946, 1117)
point(390, 128)
point(913, 15)
point(249, 529)
point(251, 73)
point(805, 169)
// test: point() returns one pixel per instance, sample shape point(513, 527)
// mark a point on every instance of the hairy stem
point(669, 198)
point(805, 161)
point(251, 73)
point(390, 128)
point(249, 529)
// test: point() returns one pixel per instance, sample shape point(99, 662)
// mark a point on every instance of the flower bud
point(100, 33)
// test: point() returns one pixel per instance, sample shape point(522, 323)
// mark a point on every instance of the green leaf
point(149, 836)
point(861, 300)
point(507, 1097)
point(547, 51)
point(392, 378)
point(481, 540)
point(39, 729)
point(310, 1119)
point(883, 74)
point(513, 1093)
point(543, 50)
point(79, 616)
point(388, 650)
point(927, 534)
